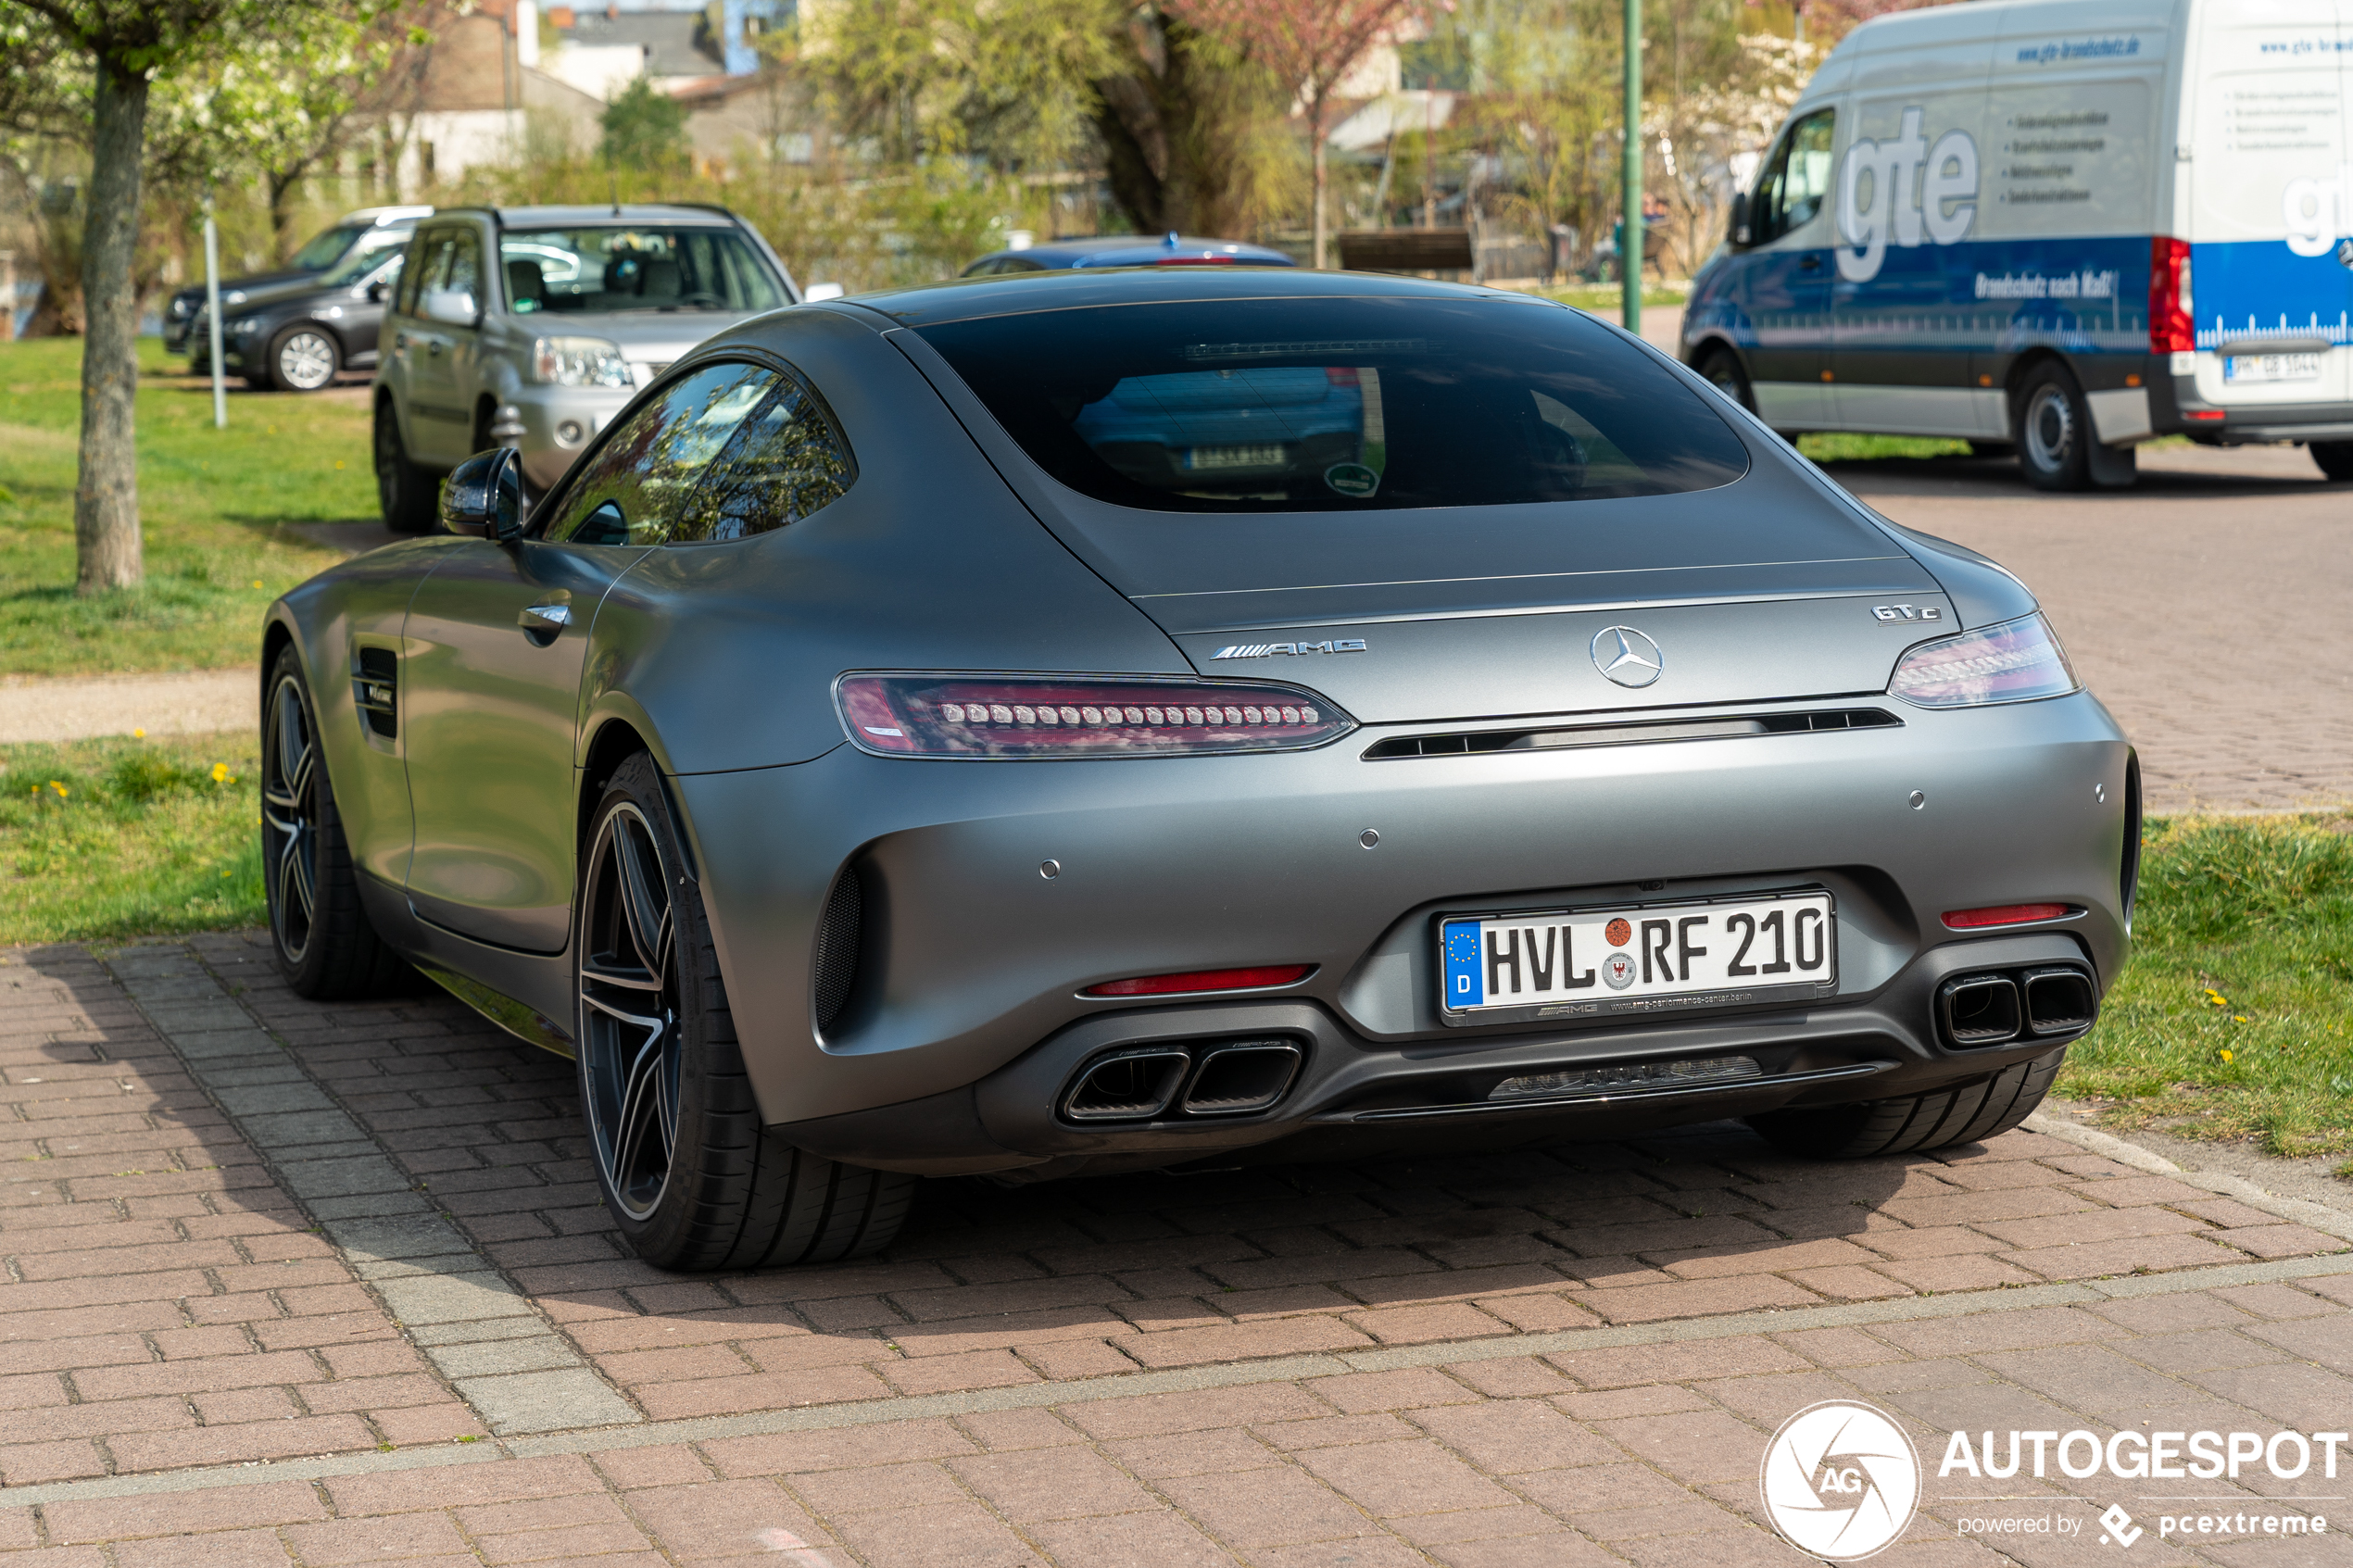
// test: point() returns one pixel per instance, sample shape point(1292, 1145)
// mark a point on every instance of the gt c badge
point(1626, 656)
point(1907, 612)
point(1269, 650)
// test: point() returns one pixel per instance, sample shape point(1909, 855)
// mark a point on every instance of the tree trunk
point(106, 502)
point(281, 216)
point(1323, 220)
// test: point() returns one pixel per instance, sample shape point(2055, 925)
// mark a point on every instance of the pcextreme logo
point(1897, 191)
point(1840, 1480)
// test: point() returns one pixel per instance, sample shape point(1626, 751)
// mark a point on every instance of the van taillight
point(2173, 329)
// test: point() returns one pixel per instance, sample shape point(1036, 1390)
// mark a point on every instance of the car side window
point(453, 293)
point(784, 462)
point(1796, 179)
point(640, 486)
point(432, 256)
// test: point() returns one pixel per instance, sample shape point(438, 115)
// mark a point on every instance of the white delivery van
point(2065, 225)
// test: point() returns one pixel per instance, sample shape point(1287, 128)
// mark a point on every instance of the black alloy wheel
point(406, 495)
point(1722, 368)
point(304, 357)
point(2335, 459)
point(689, 1170)
point(632, 1046)
point(318, 929)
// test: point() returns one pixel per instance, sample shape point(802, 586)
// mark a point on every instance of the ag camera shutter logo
point(1840, 1480)
point(1915, 189)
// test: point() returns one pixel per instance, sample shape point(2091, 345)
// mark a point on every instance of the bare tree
point(1309, 44)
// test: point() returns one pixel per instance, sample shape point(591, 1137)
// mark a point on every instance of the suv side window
point(786, 461)
point(433, 258)
point(1796, 180)
point(453, 292)
point(640, 484)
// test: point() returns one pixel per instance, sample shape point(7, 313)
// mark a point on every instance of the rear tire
point(2054, 432)
point(318, 928)
point(1722, 368)
point(687, 1169)
point(408, 496)
point(1912, 1123)
point(2335, 459)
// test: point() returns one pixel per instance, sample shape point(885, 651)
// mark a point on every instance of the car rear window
point(1332, 405)
point(598, 269)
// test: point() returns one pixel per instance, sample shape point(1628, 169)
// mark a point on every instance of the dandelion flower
point(338, 462)
point(138, 735)
point(220, 773)
point(256, 581)
point(2238, 1018)
point(62, 791)
point(2226, 1053)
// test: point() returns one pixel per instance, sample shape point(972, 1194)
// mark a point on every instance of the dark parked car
point(367, 232)
point(1127, 250)
point(296, 337)
point(869, 764)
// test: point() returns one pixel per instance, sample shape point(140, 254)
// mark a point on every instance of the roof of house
point(676, 43)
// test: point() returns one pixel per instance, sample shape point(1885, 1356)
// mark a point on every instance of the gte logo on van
point(1900, 190)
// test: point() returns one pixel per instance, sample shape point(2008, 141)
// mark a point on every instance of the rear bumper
point(1355, 1097)
point(2176, 408)
point(971, 962)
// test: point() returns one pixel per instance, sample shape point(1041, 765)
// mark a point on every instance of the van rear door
point(2272, 199)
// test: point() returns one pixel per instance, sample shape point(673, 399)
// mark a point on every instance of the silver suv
point(530, 327)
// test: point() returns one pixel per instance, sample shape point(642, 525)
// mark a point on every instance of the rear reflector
point(2004, 914)
point(1022, 716)
point(2206, 413)
point(1202, 980)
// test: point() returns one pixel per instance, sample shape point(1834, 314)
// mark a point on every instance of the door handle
point(545, 620)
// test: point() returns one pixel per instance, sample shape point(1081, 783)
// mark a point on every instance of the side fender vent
point(377, 690)
point(839, 929)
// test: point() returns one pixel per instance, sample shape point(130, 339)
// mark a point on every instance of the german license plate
point(1636, 958)
point(1266, 456)
point(2245, 368)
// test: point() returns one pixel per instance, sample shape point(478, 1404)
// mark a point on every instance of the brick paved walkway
point(330, 1284)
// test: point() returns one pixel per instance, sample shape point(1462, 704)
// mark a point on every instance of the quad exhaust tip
point(1208, 1078)
point(1977, 1011)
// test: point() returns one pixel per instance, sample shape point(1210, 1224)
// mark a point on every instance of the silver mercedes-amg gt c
point(1087, 721)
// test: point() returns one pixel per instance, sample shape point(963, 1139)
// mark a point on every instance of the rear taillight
point(1027, 716)
point(2016, 661)
point(2004, 914)
point(2173, 317)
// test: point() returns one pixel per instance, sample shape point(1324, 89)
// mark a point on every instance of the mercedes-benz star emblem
point(1627, 656)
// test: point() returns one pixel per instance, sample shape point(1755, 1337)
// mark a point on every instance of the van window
point(1796, 180)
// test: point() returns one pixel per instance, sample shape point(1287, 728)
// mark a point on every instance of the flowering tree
point(1313, 44)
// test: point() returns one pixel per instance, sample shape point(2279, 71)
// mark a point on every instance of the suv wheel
point(303, 358)
point(2335, 459)
point(406, 493)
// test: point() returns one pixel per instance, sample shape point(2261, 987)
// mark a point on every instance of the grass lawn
point(214, 504)
point(2235, 1019)
point(129, 838)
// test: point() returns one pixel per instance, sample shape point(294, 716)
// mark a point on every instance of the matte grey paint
point(720, 658)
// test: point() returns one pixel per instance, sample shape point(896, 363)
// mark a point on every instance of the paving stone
point(546, 1402)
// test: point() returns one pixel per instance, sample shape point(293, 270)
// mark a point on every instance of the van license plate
point(1270, 457)
point(2243, 368)
point(1634, 960)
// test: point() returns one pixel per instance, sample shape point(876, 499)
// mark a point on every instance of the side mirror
point(483, 496)
point(1740, 218)
point(816, 291)
point(376, 292)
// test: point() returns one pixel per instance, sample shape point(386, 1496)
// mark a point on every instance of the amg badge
point(1267, 650)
